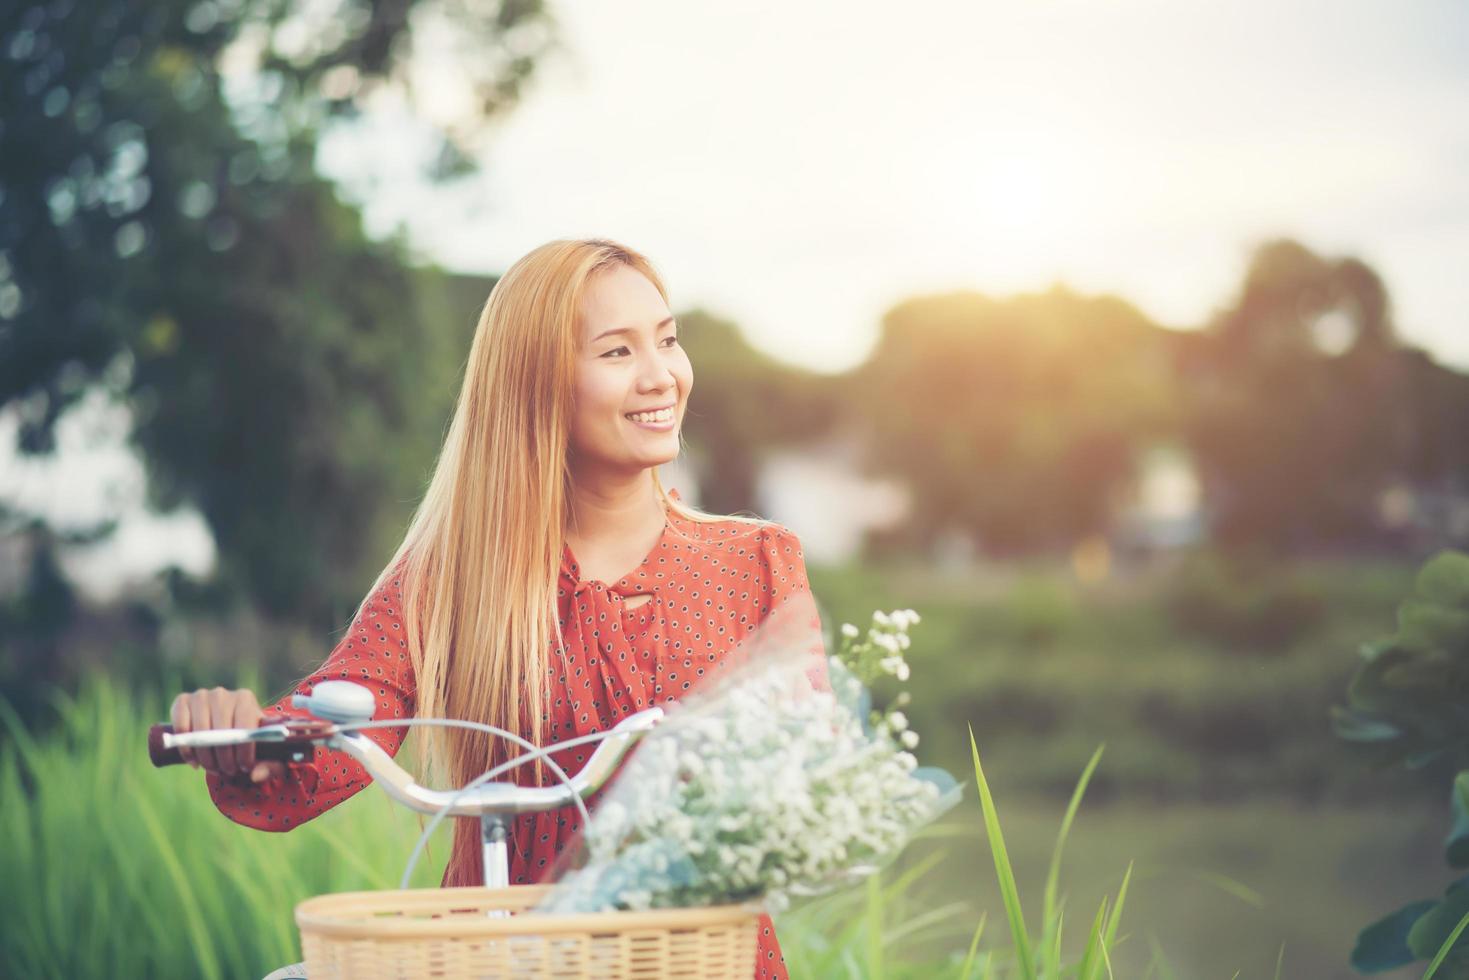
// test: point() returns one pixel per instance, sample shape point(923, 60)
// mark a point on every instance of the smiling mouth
point(662, 415)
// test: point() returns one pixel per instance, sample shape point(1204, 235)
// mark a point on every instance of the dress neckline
point(571, 568)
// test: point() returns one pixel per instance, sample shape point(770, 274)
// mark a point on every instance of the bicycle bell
point(342, 702)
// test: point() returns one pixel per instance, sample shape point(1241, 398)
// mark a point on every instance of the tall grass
point(113, 868)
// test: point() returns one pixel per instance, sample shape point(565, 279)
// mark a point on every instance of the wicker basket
point(447, 932)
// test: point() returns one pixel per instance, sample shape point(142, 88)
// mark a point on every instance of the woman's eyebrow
point(617, 330)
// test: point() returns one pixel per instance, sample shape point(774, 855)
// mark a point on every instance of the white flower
point(850, 631)
point(902, 670)
point(760, 789)
point(881, 618)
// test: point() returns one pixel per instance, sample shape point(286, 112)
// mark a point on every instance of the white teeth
point(662, 415)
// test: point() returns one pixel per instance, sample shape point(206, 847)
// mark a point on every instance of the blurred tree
point(1019, 421)
point(163, 235)
point(1437, 400)
point(743, 406)
point(1296, 403)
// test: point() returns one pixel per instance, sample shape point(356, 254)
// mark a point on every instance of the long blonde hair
point(481, 557)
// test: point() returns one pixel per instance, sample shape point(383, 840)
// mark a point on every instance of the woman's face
point(628, 362)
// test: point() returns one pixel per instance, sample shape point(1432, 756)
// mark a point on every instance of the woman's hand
point(221, 708)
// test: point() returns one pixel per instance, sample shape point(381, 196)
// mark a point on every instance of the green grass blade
point(973, 947)
point(187, 903)
point(1091, 960)
point(1110, 940)
point(1053, 873)
point(1052, 969)
point(910, 928)
point(1023, 954)
point(905, 881)
point(1228, 885)
point(27, 752)
point(1443, 951)
point(874, 928)
point(1165, 971)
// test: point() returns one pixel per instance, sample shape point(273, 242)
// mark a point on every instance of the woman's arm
point(373, 653)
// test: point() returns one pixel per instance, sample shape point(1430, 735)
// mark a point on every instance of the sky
point(799, 167)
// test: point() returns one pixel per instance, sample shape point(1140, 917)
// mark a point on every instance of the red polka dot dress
point(711, 585)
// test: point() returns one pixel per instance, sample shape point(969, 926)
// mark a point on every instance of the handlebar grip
point(264, 751)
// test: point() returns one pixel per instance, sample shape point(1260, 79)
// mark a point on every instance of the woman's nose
point(656, 377)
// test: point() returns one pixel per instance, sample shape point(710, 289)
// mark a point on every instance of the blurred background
point(1125, 342)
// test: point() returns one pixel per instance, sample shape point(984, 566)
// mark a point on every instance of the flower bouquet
point(774, 781)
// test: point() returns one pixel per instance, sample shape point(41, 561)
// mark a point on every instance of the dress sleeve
point(791, 592)
point(373, 653)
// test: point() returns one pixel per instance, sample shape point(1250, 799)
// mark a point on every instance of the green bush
point(1409, 703)
point(1250, 608)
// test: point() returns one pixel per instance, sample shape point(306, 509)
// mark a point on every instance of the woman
point(545, 566)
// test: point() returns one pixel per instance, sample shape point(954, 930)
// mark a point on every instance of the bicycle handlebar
point(289, 740)
point(295, 740)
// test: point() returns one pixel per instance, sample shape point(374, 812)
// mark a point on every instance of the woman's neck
point(605, 515)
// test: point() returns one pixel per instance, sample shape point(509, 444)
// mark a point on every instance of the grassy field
point(1205, 685)
point(1249, 826)
point(1217, 888)
point(117, 869)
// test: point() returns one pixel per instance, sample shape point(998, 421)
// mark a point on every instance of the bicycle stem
point(500, 798)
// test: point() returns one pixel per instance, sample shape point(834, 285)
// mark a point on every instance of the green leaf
point(1427, 936)
point(1445, 579)
point(1369, 690)
point(1354, 726)
point(1384, 944)
point(1428, 626)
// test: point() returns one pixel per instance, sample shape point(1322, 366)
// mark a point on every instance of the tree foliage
point(1296, 403)
point(1018, 422)
point(163, 235)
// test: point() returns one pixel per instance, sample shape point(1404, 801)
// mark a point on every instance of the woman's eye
point(667, 342)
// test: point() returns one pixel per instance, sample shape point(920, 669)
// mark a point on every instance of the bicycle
point(490, 931)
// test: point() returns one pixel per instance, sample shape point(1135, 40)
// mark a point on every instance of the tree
point(175, 247)
point(1296, 412)
point(1018, 422)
